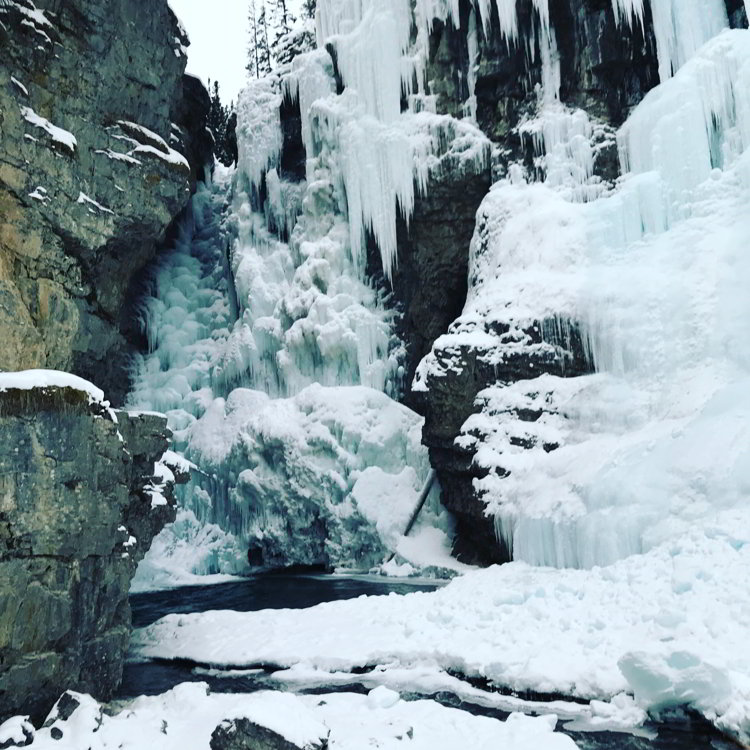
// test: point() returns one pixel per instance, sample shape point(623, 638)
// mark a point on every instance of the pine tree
point(264, 50)
point(283, 21)
point(253, 58)
point(309, 7)
point(218, 115)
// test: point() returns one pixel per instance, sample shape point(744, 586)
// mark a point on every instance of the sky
point(218, 41)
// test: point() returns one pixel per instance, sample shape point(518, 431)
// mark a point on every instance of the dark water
point(677, 731)
point(264, 591)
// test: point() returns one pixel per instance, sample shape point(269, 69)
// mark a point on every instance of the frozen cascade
point(302, 455)
point(187, 318)
point(656, 442)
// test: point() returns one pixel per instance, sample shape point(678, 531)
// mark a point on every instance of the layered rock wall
point(94, 127)
point(103, 138)
point(81, 498)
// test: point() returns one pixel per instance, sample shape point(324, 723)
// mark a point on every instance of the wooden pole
point(420, 504)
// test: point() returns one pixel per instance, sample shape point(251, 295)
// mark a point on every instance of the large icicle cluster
point(385, 156)
point(654, 272)
point(266, 411)
point(681, 27)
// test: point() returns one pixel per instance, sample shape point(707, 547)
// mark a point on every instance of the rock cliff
point(103, 138)
point(96, 121)
point(82, 494)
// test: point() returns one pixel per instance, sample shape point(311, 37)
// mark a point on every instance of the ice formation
point(681, 27)
point(277, 366)
point(652, 274)
point(633, 479)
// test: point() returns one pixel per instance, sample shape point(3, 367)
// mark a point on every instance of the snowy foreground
point(667, 626)
point(186, 716)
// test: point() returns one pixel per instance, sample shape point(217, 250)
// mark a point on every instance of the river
point(676, 731)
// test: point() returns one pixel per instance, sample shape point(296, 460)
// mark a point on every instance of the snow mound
point(187, 715)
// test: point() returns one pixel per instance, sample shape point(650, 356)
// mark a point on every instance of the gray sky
point(218, 41)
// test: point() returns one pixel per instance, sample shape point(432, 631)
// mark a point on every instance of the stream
point(292, 590)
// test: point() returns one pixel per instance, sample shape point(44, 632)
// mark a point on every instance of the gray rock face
point(431, 279)
point(243, 734)
point(92, 120)
point(76, 516)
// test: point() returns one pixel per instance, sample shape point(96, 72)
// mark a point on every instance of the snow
point(117, 156)
point(187, 715)
point(162, 478)
point(92, 205)
point(570, 632)
point(144, 134)
point(172, 157)
point(16, 731)
point(27, 379)
point(64, 138)
point(146, 143)
point(619, 714)
point(20, 86)
point(40, 194)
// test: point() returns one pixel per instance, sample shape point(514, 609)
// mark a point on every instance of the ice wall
point(284, 403)
point(654, 271)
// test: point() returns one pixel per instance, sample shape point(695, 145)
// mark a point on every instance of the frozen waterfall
point(654, 270)
point(274, 355)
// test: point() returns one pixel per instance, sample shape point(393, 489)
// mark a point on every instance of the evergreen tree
point(283, 21)
point(218, 117)
point(309, 7)
point(253, 58)
point(264, 50)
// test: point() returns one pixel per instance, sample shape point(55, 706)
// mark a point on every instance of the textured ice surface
point(655, 273)
point(272, 361)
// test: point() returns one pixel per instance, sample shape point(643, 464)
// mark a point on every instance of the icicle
point(629, 10)
point(370, 58)
point(473, 49)
point(550, 56)
point(681, 27)
point(259, 136)
point(310, 79)
point(508, 15)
